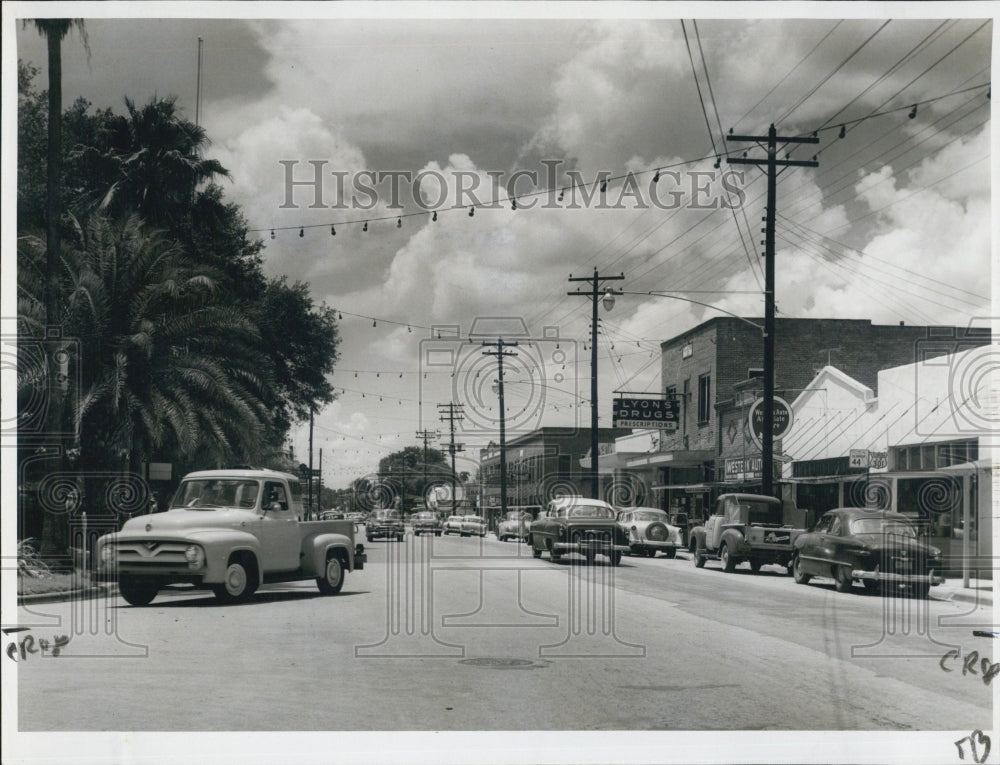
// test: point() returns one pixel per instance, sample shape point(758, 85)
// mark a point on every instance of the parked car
point(516, 523)
point(426, 523)
point(648, 531)
point(452, 525)
point(578, 525)
point(473, 525)
point(385, 523)
point(879, 549)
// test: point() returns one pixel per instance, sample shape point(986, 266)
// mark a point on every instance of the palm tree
point(151, 163)
point(54, 30)
point(164, 366)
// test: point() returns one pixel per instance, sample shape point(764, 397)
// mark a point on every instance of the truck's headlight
point(195, 556)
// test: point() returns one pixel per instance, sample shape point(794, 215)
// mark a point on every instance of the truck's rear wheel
point(332, 580)
point(696, 556)
point(728, 562)
point(801, 577)
point(615, 556)
point(137, 592)
point(236, 586)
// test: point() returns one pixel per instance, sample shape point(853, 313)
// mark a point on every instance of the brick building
point(545, 463)
point(716, 368)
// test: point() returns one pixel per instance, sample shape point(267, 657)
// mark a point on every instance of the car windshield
point(387, 515)
point(423, 517)
point(473, 518)
point(648, 515)
point(515, 515)
point(882, 526)
point(589, 511)
point(205, 493)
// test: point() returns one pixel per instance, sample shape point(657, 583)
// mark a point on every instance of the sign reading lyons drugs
point(632, 412)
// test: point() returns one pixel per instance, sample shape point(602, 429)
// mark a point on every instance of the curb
point(53, 597)
point(976, 597)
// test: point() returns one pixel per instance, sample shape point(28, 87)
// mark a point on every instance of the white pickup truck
point(230, 531)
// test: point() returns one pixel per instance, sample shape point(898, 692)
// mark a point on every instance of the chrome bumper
point(880, 576)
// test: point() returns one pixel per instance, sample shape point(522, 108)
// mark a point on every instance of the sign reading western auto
point(781, 417)
point(631, 412)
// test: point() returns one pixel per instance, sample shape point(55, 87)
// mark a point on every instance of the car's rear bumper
point(881, 576)
point(657, 545)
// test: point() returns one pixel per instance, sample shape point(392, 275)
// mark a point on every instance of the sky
point(894, 224)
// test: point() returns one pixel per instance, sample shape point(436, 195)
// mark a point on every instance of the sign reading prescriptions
point(634, 412)
point(782, 420)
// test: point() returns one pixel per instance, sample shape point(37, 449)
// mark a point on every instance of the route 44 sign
point(782, 420)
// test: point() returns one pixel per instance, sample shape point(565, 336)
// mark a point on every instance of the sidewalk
point(980, 591)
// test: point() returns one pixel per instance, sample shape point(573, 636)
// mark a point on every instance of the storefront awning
point(607, 463)
point(680, 458)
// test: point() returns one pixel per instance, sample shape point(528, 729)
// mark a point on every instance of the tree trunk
point(55, 534)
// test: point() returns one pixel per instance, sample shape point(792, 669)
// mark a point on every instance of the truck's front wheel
point(332, 580)
point(728, 562)
point(137, 592)
point(236, 586)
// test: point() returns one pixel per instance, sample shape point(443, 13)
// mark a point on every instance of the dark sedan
point(879, 549)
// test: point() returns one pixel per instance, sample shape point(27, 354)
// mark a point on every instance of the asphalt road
point(466, 634)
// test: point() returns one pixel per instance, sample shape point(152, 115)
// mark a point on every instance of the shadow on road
point(259, 598)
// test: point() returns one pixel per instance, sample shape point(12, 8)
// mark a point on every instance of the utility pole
point(309, 507)
point(426, 435)
point(500, 353)
point(452, 412)
point(772, 163)
point(609, 302)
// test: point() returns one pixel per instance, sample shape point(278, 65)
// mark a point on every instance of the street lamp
point(609, 301)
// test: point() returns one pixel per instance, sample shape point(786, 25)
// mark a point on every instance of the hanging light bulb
point(365, 227)
point(333, 231)
point(472, 211)
point(399, 222)
point(513, 204)
point(656, 177)
point(410, 331)
point(718, 163)
point(374, 323)
point(340, 316)
point(913, 112)
point(272, 233)
point(434, 217)
point(562, 195)
point(843, 131)
point(604, 185)
point(302, 232)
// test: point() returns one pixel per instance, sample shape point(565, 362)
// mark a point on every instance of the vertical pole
point(503, 433)
point(767, 457)
point(197, 97)
point(594, 490)
point(310, 481)
point(319, 480)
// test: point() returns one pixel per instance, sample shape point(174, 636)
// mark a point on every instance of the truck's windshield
point(216, 492)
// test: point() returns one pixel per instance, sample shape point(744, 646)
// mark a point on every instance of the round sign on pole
point(782, 420)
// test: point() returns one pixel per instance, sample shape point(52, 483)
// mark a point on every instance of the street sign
point(782, 420)
point(654, 413)
point(875, 461)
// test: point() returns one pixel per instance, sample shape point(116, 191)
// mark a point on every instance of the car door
point(280, 537)
point(811, 548)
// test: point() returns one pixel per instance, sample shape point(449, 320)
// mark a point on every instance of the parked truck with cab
point(230, 531)
point(747, 528)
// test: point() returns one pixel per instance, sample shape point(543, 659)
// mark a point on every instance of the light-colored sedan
point(648, 531)
point(473, 525)
point(515, 524)
point(452, 525)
